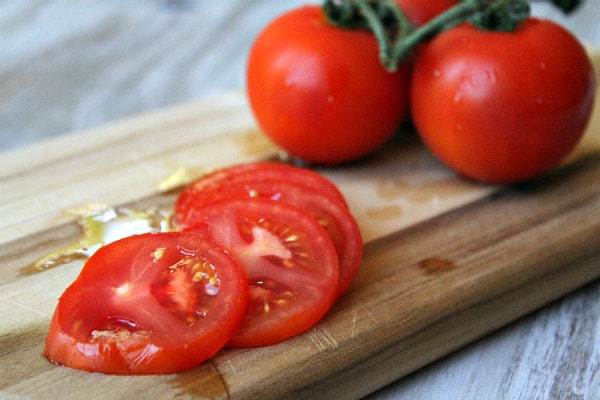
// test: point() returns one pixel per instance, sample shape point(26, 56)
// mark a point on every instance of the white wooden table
point(67, 65)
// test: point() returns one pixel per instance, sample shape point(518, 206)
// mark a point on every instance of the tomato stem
point(452, 17)
point(497, 15)
point(397, 36)
point(382, 17)
point(386, 49)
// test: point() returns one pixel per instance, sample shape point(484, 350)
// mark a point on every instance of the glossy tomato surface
point(502, 107)
point(420, 12)
point(289, 260)
point(155, 303)
point(298, 186)
point(320, 92)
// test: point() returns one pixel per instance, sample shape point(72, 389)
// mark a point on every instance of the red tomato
point(289, 260)
point(503, 107)
point(320, 92)
point(149, 304)
point(301, 187)
point(420, 12)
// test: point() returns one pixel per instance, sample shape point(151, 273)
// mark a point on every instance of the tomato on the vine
point(289, 260)
point(320, 92)
point(154, 303)
point(502, 107)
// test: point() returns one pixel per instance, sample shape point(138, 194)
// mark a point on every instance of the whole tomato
point(502, 106)
point(420, 12)
point(320, 92)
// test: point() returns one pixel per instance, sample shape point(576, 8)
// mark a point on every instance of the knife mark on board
point(322, 339)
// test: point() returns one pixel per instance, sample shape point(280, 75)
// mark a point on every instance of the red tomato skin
point(319, 92)
point(262, 171)
point(503, 107)
point(420, 12)
point(90, 301)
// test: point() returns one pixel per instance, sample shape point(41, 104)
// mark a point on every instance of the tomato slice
point(264, 171)
point(154, 303)
point(303, 188)
point(289, 259)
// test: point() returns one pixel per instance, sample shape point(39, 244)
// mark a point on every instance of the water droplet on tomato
point(457, 97)
point(491, 76)
point(212, 288)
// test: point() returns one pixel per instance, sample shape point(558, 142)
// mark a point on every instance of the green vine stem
point(397, 37)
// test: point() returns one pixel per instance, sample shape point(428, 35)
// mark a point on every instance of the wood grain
point(397, 203)
point(399, 316)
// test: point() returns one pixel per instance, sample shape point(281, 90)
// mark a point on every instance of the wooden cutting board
point(446, 260)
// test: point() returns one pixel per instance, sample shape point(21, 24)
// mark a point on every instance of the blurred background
point(68, 65)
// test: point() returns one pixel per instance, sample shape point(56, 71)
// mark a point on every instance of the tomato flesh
point(288, 258)
point(155, 303)
point(297, 186)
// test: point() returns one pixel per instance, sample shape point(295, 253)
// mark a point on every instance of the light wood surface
point(455, 261)
point(501, 252)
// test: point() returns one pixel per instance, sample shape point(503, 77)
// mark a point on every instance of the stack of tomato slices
point(261, 253)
